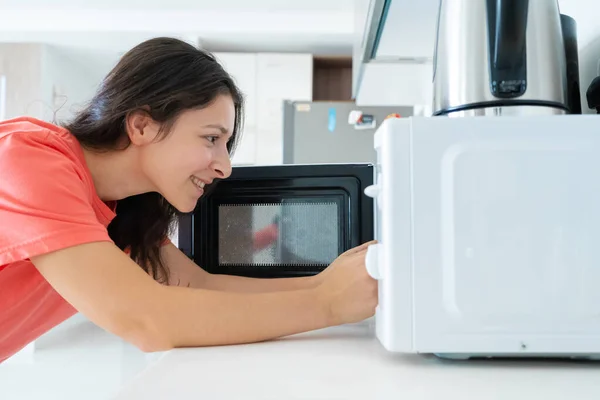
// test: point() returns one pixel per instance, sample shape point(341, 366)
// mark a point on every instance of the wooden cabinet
point(332, 79)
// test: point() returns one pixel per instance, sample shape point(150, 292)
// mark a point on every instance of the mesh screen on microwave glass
point(296, 234)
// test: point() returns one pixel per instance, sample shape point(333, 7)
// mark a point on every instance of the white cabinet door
point(242, 68)
point(266, 80)
point(279, 77)
point(245, 152)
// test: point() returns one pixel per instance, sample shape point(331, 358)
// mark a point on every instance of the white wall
point(43, 83)
point(20, 64)
point(66, 84)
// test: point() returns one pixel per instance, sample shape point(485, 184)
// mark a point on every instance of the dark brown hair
point(163, 77)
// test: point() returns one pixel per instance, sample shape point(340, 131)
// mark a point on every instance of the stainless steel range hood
point(393, 51)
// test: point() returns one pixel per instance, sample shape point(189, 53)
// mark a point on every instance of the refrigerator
point(332, 132)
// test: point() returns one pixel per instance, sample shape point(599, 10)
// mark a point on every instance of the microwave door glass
point(290, 234)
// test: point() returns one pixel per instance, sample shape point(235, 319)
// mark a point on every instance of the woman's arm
point(184, 272)
point(101, 282)
point(104, 284)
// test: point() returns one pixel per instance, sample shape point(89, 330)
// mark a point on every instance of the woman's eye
point(212, 139)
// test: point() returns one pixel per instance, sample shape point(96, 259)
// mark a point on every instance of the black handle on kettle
point(510, 33)
point(593, 95)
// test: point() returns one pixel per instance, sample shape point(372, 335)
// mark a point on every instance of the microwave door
point(280, 221)
point(266, 235)
point(309, 233)
point(235, 234)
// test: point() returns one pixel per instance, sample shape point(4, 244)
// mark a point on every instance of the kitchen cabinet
point(396, 84)
point(245, 152)
point(242, 68)
point(266, 80)
point(332, 79)
point(280, 77)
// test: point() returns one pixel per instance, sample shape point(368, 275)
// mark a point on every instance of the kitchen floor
point(76, 357)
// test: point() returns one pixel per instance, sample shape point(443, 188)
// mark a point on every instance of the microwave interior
point(278, 221)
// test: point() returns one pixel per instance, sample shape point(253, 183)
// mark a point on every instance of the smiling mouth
point(198, 183)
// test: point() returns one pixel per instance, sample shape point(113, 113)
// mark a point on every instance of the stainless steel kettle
point(499, 57)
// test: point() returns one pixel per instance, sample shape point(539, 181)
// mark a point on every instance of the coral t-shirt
point(47, 202)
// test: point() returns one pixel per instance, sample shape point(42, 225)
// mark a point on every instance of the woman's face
point(192, 155)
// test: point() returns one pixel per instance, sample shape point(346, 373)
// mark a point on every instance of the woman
point(85, 211)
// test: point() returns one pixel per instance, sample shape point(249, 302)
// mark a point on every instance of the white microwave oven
point(488, 234)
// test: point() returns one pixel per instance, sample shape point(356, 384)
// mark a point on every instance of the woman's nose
point(222, 167)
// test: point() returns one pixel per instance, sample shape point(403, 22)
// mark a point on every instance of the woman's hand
point(346, 288)
point(320, 277)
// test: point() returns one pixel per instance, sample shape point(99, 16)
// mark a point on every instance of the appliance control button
point(372, 262)
point(511, 87)
point(372, 191)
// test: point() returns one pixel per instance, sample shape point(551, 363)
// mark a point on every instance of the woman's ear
point(141, 128)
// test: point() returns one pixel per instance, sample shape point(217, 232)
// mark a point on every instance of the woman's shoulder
point(25, 135)
point(29, 127)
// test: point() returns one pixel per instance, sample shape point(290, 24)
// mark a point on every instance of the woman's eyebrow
point(217, 126)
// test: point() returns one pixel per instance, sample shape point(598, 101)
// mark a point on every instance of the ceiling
point(318, 26)
point(264, 5)
point(224, 24)
point(96, 32)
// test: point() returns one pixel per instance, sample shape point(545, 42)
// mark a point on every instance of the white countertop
point(349, 363)
point(344, 362)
